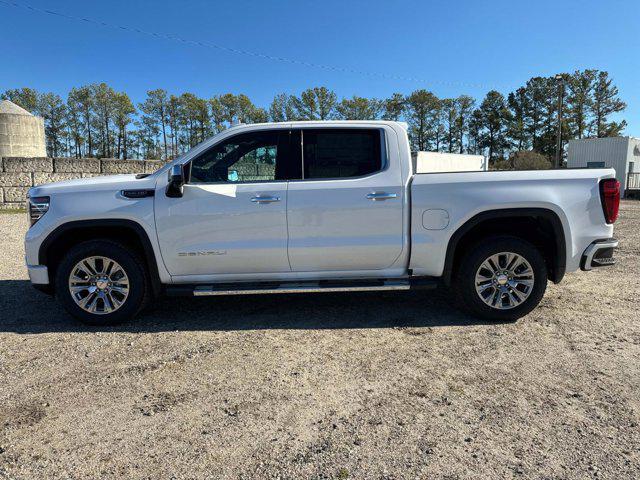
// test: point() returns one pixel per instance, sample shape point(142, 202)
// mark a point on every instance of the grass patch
point(13, 210)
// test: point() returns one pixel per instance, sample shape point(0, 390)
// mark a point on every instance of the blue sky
point(447, 47)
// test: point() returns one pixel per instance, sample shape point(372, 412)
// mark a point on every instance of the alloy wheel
point(98, 285)
point(504, 280)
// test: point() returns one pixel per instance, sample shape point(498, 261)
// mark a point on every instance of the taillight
point(610, 197)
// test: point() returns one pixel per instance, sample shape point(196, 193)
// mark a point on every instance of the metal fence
point(633, 181)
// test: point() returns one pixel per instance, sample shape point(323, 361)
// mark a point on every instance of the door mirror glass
point(176, 182)
point(233, 176)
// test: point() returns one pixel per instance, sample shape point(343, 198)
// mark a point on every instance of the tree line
point(97, 121)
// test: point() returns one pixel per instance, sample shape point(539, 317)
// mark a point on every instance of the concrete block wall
point(18, 174)
point(254, 173)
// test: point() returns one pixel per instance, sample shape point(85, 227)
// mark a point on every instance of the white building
point(620, 153)
point(432, 162)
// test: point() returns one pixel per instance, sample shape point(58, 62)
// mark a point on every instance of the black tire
point(469, 300)
point(138, 289)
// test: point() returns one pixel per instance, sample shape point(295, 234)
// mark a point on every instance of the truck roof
point(318, 123)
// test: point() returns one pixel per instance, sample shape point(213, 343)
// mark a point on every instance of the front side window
point(248, 157)
point(339, 153)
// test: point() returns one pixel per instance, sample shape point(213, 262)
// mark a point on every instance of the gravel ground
point(394, 385)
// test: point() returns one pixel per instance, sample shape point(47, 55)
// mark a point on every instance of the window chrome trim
point(384, 154)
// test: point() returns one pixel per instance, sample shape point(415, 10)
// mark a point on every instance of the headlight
point(38, 206)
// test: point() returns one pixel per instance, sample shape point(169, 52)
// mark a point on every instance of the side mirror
point(176, 182)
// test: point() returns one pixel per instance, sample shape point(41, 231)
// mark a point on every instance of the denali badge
point(199, 254)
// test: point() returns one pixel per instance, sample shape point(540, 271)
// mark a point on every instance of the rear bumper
point(599, 254)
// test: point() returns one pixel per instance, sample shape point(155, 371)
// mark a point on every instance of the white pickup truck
point(315, 207)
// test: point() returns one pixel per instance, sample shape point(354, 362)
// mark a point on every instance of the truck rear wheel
point(501, 278)
point(102, 283)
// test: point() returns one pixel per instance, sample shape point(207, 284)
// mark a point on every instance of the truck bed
point(442, 202)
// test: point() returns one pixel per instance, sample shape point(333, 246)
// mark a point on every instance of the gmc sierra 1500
point(311, 207)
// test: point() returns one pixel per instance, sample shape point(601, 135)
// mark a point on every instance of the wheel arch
point(546, 224)
point(126, 231)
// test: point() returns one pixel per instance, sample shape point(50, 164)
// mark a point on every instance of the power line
point(238, 51)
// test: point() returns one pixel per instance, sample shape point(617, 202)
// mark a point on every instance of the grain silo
point(21, 134)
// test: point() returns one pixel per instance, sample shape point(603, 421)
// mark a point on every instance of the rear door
point(346, 213)
point(232, 218)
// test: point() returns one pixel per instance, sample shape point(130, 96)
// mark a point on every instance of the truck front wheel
point(501, 278)
point(102, 282)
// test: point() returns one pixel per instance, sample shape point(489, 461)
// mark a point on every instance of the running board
point(209, 290)
point(298, 287)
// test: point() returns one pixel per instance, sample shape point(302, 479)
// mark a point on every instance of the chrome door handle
point(265, 199)
point(381, 196)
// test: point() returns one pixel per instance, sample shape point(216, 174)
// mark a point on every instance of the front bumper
point(599, 254)
point(38, 274)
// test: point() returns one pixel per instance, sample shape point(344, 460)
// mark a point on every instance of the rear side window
point(340, 153)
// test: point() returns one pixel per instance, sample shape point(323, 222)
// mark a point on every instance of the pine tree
point(25, 97)
point(465, 112)
point(175, 116)
point(494, 117)
point(123, 109)
point(282, 108)
point(217, 114)
point(104, 101)
point(580, 88)
point(393, 107)
point(54, 112)
point(450, 116)
point(155, 109)
point(358, 108)
point(518, 128)
point(423, 109)
point(317, 103)
point(537, 100)
point(81, 100)
point(605, 103)
point(475, 133)
point(248, 112)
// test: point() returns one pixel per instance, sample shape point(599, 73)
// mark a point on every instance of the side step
point(298, 287)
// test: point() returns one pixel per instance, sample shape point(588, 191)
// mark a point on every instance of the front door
point(346, 213)
point(232, 217)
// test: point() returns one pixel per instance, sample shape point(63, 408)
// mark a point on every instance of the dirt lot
point(325, 386)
